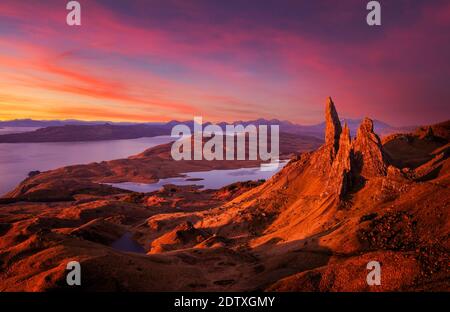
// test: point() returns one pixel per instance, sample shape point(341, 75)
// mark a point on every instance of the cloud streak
point(174, 59)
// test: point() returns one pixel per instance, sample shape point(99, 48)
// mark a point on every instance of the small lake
point(18, 159)
point(213, 179)
point(127, 244)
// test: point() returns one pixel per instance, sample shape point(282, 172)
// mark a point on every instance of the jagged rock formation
point(340, 180)
point(322, 160)
point(333, 127)
point(352, 161)
point(369, 156)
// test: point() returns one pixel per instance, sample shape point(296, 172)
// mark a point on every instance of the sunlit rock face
point(369, 157)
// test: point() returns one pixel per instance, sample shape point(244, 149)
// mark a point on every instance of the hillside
point(314, 226)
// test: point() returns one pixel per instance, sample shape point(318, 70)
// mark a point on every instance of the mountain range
point(75, 130)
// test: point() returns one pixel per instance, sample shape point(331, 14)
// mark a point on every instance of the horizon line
point(342, 119)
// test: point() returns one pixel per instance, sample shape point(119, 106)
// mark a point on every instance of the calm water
point(18, 159)
point(213, 179)
point(127, 244)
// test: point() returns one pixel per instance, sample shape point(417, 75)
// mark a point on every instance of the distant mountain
point(76, 130)
point(59, 123)
point(73, 133)
point(316, 130)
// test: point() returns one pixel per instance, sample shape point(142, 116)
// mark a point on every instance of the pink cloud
point(236, 63)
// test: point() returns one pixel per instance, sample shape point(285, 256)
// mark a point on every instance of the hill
point(73, 133)
point(314, 226)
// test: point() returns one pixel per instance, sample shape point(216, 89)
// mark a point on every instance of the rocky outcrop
point(340, 179)
point(184, 235)
point(369, 158)
point(429, 134)
point(323, 158)
point(333, 127)
point(352, 161)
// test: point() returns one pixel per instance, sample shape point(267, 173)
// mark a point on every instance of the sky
point(223, 60)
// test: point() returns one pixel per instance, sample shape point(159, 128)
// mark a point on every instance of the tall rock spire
point(340, 178)
point(333, 127)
